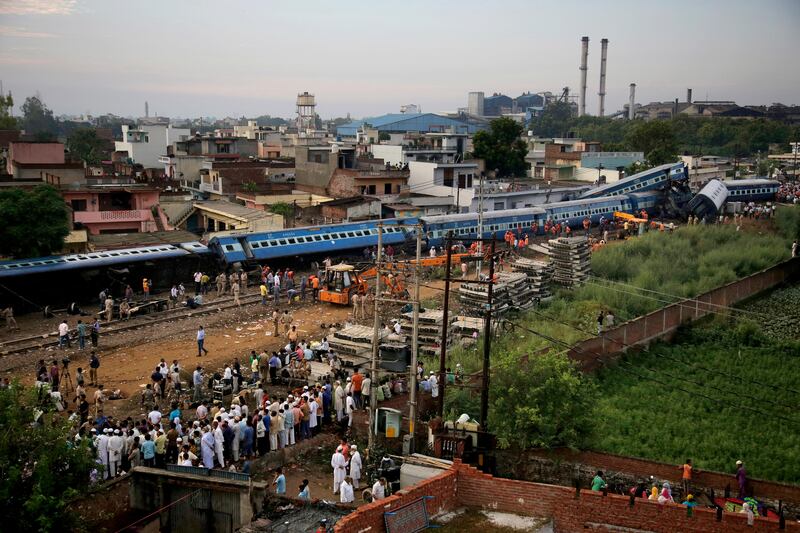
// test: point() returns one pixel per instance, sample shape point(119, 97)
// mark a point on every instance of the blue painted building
point(407, 122)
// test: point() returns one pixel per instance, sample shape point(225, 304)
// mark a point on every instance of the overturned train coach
point(709, 201)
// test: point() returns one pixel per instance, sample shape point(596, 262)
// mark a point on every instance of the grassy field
point(778, 312)
point(723, 393)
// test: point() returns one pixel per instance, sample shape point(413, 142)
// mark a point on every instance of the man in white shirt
point(154, 417)
point(219, 444)
point(366, 389)
point(379, 489)
point(115, 445)
point(397, 327)
point(434, 385)
point(338, 464)
point(63, 335)
point(349, 408)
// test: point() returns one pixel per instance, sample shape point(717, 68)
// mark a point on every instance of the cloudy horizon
point(191, 59)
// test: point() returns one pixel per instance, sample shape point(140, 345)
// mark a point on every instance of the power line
point(671, 386)
point(681, 297)
point(693, 366)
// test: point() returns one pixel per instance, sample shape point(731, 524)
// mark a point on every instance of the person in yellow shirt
point(264, 292)
point(161, 449)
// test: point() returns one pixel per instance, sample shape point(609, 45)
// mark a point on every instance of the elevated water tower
point(306, 112)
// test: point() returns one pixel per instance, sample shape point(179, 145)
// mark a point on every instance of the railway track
point(46, 340)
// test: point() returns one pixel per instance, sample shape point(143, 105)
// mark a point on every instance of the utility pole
point(412, 403)
point(445, 324)
point(480, 226)
point(487, 343)
point(373, 398)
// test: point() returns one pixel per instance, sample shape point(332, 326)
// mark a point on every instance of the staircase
point(157, 217)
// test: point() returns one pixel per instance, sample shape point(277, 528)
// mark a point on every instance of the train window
point(350, 234)
point(282, 242)
point(326, 237)
point(291, 241)
point(255, 245)
point(317, 238)
point(229, 247)
point(113, 254)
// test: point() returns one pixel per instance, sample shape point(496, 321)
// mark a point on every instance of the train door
point(248, 251)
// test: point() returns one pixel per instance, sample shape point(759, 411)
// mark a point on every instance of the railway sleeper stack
point(511, 291)
point(353, 342)
point(430, 330)
point(539, 273)
point(571, 259)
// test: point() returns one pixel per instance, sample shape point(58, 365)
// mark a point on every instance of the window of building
point(448, 177)
point(387, 188)
point(78, 205)
point(371, 189)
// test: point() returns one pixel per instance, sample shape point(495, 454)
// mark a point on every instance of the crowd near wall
point(570, 510)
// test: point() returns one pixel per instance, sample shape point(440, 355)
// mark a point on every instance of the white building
point(145, 144)
point(457, 180)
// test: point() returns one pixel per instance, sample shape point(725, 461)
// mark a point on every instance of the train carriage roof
point(459, 217)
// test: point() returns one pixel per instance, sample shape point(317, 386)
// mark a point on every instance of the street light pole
point(373, 398)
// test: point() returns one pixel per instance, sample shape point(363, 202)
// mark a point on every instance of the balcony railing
point(95, 217)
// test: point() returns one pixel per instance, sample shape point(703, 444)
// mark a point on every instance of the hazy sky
point(236, 57)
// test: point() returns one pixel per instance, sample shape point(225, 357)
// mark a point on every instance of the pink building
point(116, 209)
point(26, 153)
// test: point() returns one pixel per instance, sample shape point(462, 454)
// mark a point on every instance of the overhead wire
point(670, 386)
point(726, 307)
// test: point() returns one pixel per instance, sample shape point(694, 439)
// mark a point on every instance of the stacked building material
point(511, 291)
point(430, 330)
point(571, 259)
point(539, 275)
point(467, 327)
point(354, 343)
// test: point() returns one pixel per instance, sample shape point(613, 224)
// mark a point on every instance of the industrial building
point(404, 123)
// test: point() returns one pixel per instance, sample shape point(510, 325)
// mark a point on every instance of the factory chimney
point(631, 104)
point(602, 93)
point(584, 68)
point(146, 109)
point(688, 96)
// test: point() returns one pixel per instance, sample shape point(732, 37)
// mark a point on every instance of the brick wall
point(561, 466)
point(465, 486)
point(369, 517)
point(662, 324)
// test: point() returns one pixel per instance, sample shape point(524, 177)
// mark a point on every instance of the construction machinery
point(341, 283)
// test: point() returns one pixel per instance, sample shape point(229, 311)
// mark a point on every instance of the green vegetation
point(38, 119)
point(718, 136)
point(41, 470)
point(283, 209)
point(690, 261)
point(84, 144)
point(35, 222)
point(501, 147)
point(683, 264)
point(716, 414)
point(777, 313)
point(7, 121)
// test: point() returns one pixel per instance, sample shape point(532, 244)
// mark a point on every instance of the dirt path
point(128, 358)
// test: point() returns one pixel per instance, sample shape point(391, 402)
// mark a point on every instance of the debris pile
point(354, 343)
point(571, 259)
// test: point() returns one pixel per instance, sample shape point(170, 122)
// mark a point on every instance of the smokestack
point(146, 109)
point(688, 96)
point(602, 93)
point(583, 69)
point(631, 104)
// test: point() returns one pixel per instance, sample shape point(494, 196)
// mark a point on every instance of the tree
point(84, 144)
point(41, 468)
point(555, 120)
point(501, 147)
point(34, 222)
point(543, 401)
point(7, 122)
point(656, 139)
point(38, 120)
